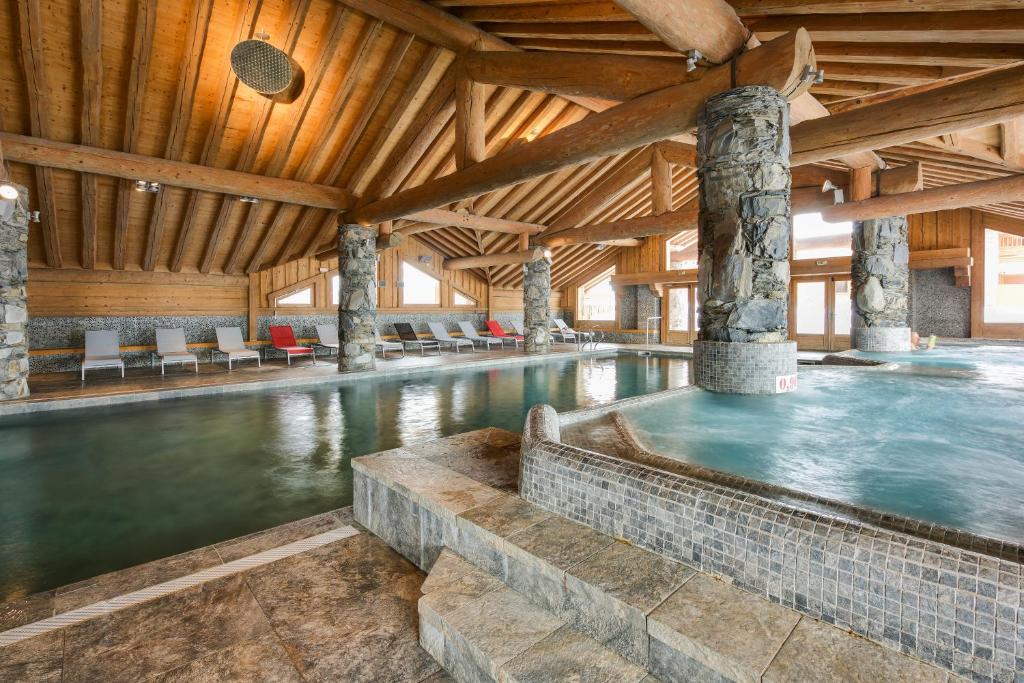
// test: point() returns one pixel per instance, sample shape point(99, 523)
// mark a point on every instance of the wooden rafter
point(90, 15)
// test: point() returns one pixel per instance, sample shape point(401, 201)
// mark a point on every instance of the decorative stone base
point(745, 368)
point(13, 296)
point(881, 339)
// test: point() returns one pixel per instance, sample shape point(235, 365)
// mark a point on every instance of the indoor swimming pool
point(94, 490)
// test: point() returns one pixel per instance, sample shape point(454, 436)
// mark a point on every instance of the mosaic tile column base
point(13, 296)
point(357, 310)
point(881, 339)
point(745, 368)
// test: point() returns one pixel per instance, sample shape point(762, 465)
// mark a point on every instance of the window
point(418, 288)
point(682, 251)
point(460, 299)
point(336, 289)
point(1004, 277)
point(303, 297)
point(598, 299)
point(813, 238)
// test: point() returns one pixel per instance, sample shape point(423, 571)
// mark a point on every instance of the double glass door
point(680, 323)
point(820, 313)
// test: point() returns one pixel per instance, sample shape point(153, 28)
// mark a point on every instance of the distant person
point(915, 340)
point(932, 341)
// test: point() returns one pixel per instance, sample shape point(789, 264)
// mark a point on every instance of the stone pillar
point(537, 305)
point(744, 234)
point(881, 285)
point(357, 307)
point(13, 296)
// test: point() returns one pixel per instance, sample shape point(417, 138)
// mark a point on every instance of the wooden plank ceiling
point(152, 77)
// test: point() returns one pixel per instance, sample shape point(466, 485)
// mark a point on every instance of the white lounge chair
point(470, 333)
point(327, 337)
point(441, 335)
point(229, 343)
point(386, 346)
point(171, 348)
point(101, 351)
point(519, 328)
point(567, 334)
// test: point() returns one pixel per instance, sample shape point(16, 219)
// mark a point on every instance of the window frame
point(401, 290)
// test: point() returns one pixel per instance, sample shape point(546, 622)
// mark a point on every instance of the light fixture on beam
point(267, 69)
point(147, 186)
point(8, 191)
point(249, 200)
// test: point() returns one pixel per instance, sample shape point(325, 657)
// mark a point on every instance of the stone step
point(479, 629)
point(660, 615)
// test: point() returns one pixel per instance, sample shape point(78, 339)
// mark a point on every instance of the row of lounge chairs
point(102, 349)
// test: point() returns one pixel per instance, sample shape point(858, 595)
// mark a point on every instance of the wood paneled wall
point(54, 292)
point(940, 229)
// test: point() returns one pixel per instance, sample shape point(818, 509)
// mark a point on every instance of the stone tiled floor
point(343, 612)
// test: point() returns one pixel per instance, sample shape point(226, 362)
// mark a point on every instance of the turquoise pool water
point(940, 438)
point(84, 492)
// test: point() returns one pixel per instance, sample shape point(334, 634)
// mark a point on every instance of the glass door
point(679, 327)
point(820, 319)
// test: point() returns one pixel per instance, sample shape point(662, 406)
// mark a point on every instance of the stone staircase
point(515, 593)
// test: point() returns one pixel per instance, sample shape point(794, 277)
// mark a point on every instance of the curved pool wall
point(947, 597)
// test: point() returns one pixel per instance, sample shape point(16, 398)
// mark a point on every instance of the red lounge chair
point(499, 333)
point(282, 338)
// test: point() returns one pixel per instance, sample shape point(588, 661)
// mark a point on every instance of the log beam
point(51, 154)
point(664, 224)
point(485, 260)
point(459, 219)
point(710, 26)
point(470, 124)
point(908, 178)
point(613, 77)
point(813, 200)
point(986, 100)
point(650, 118)
point(934, 199)
point(661, 182)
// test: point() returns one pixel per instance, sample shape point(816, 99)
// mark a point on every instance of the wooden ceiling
point(152, 77)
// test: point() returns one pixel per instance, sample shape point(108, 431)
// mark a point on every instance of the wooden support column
point(860, 184)
point(661, 182)
point(254, 305)
point(470, 122)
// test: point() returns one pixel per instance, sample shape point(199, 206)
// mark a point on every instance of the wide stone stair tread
point(478, 629)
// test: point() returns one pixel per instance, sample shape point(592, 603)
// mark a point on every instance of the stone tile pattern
point(14, 364)
point(742, 368)
point(357, 308)
point(744, 225)
point(537, 306)
point(937, 305)
point(958, 609)
point(635, 306)
point(881, 285)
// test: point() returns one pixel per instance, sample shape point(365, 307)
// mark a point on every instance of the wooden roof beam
point(982, 26)
point(485, 260)
point(710, 26)
point(664, 224)
point(993, 98)
point(646, 119)
point(50, 154)
point(943, 198)
point(753, 8)
point(467, 220)
point(90, 15)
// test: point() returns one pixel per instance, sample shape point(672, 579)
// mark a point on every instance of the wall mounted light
point(249, 200)
point(267, 69)
point(147, 186)
point(8, 191)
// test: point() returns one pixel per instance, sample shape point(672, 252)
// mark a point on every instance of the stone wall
point(14, 364)
point(881, 285)
point(357, 312)
point(937, 305)
point(744, 226)
point(537, 306)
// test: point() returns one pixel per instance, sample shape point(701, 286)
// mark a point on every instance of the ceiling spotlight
point(8, 191)
point(267, 70)
point(249, 200)
point(147, 186)
point(140, 185)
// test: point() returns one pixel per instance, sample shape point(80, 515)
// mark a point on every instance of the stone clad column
point(537, 305)
point(357, 307)
point(744, 237)
point(13, 296)
point(881, 285)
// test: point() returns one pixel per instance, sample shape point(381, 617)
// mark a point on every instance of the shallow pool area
point(937, 440)
point(94, 490)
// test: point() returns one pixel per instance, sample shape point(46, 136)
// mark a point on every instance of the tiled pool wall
point(956, 608)
point(937, 305)
point(69, 332)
